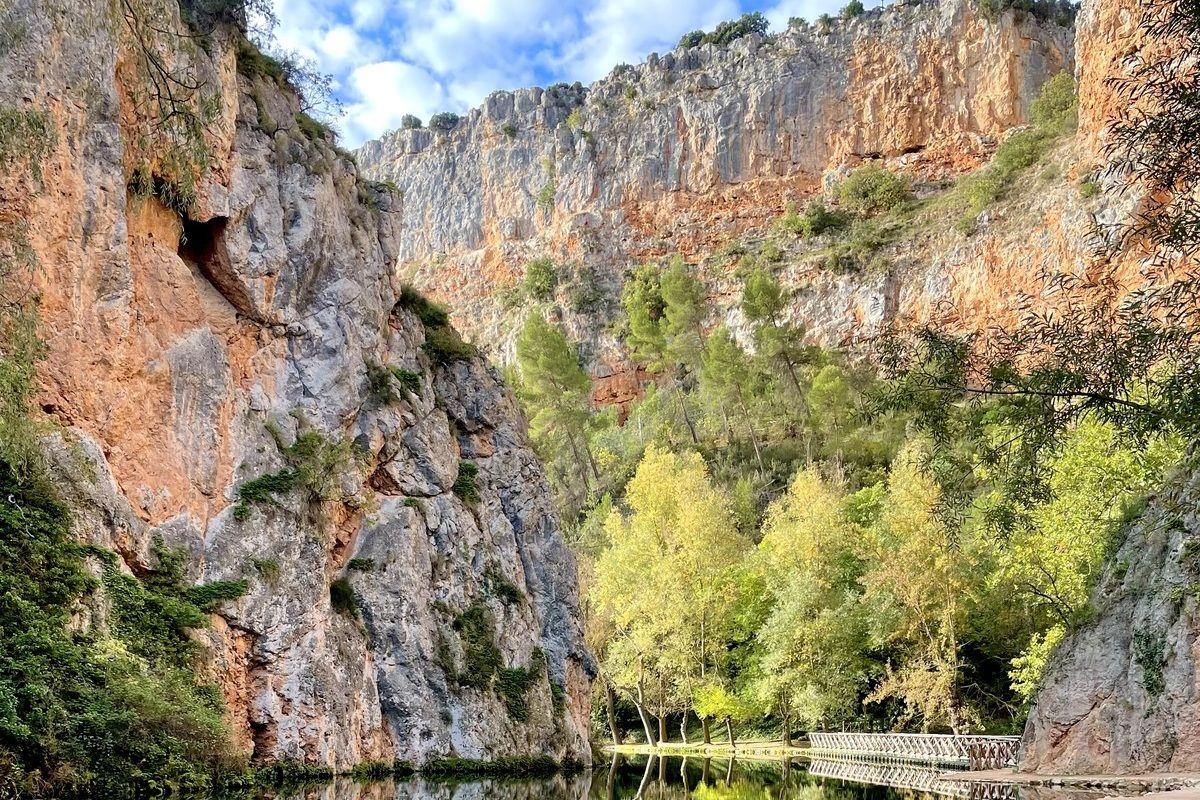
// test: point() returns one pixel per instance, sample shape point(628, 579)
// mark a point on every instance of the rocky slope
point(260, 335)
point(1121, 694)
point(689, 150)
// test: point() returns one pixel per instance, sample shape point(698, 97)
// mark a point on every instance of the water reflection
point(641, 778)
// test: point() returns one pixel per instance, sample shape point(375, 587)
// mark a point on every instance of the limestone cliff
point(690, 150)
point(404, 526)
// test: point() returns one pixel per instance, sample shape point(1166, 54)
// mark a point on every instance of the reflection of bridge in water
point(974, 752)
point(901, 775)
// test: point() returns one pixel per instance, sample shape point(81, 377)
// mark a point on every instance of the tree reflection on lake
point(694, 778)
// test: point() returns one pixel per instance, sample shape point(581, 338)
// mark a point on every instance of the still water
point(639, 778)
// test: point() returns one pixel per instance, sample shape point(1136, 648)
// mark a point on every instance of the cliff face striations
point(690, 150)
point(239, 378)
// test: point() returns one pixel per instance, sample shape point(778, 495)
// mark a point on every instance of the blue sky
point(392, 57)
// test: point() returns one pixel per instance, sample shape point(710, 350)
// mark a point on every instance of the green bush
point(410, 122)
point(343, 598)
point(852, 9)
point(466, 484)
point(1060, 12)
point(209, 596)
point(1053, 114)
point(314, 465)
point(509, 130)
point(575, 119)
point(430, 313)
point(1149, 653)
point(481, 657)
point(815, 221)
point(1089, 189)
point(444, 346)
point(360, 564)
point(1055, 110)
point(872, 189)
point(728, 31)
point(445, 121)
point(540, 279)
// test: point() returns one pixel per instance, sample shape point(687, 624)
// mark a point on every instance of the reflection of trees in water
point(574, 787)
point(642, 778)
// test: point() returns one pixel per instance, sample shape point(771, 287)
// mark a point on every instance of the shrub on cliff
point(1053, 114)
point(410, 122)
point(540, 279)
point(814, 221)
point(852, 9)
point(445, 121)
point(1060, 12)
point(872, 189)
point(729, 31)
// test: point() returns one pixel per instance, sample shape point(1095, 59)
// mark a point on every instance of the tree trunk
point(640, 702)
point(683, 777)
point(662, 728)
point(683, 727)
point(705, 730)
point(704, 769)
point(787, 728)
point(645, 724)
point(610, 704)
point(729, 732)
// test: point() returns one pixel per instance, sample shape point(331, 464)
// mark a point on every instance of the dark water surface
point(640, 778)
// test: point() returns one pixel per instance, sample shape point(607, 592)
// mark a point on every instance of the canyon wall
point(693, 149)
point(402, 525)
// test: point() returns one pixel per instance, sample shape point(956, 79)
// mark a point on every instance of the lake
point(693, 778)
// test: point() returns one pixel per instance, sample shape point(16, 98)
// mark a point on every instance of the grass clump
point(343, 598)
point(501, 587)
point(360, 564)
point(442, 343)
point(388, 384)
point(430, 313)
point(871, 189)
point(466, 484)
point(481, 657)
point(268, 568)
point(509, 130)
point(365, 771)
point(444, 346)
point(1148, 653)
point(314, 464)
point(514, 683)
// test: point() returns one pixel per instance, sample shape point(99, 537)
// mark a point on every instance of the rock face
point(189, 354)
point(690, 149)
point(1121, 693)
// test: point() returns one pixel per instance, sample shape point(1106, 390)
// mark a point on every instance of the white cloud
point(392, 57)
point(626, 31)
point(385, 91)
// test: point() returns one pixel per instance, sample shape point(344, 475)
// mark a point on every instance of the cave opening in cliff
point(202, 246)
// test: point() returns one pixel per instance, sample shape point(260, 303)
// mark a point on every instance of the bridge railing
point(973, 752)
point(923, 778)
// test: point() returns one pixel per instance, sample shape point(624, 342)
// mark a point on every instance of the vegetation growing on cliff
point(891, 545)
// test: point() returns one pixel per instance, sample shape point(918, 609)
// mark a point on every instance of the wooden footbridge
point(967, 752)
point(922, 778)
